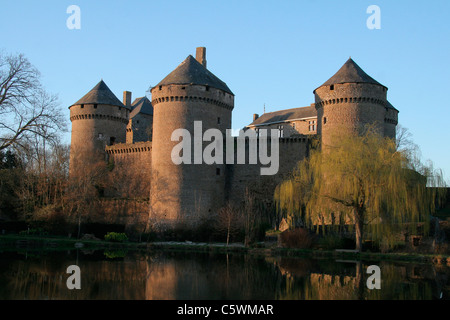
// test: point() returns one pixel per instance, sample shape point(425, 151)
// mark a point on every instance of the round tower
point(390, 121)
point(189, 97)
point(98, 119)
point(351, 100)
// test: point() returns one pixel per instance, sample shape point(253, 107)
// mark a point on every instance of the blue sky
point(272, 53)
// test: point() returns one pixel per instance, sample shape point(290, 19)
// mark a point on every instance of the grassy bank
point(40, 243)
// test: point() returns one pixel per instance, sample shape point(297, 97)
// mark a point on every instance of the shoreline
point(16, 243)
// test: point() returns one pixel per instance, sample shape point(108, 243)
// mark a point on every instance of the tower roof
point(190, 71)
point(100, 94)
point(141, 105)
point(350, 72)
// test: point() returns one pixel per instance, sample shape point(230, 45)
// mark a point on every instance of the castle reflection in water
point(177, 275)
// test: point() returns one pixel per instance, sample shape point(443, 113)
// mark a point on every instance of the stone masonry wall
point(186, 190)
point(390, 123)
point(140, 128)
point(131, 170)
point(248, 176)
point(349, 106)
point(93, 126)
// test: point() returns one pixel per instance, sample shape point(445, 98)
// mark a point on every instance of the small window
point(160, 87)
point(95, 106)
point(218, 120)
point(100, 135)
point(324, 120)
point(312, 125)
point(207, 88)
point(280, 132)
point(112, 140)
point(293, 125)
point(183, 88)
point(82, 106)
point(332, 87)
point(137, 121)
point(217, 171)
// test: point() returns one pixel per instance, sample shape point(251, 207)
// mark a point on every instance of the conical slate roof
point(190, 71)
point(350, 72)
point(141, 105)
point(100, 94)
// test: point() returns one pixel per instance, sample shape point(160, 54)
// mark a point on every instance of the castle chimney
point(127, 98)
point(200, 55)
point(255, 116)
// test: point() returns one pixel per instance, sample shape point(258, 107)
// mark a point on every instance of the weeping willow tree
point(364, 181)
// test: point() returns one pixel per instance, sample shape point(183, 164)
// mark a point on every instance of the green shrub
point(33, 232)
point(115, 254)
point(116, 237)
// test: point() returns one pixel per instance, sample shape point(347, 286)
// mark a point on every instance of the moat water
point(186, 275)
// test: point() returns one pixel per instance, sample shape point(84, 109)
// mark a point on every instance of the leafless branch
point(26, 108)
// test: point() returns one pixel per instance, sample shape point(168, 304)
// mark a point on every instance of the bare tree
point(84, 190)
point(26, 109)
point(228, 222)
point(44, 173)
point(403, 138)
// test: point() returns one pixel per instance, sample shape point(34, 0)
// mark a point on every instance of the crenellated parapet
point(380, 102)
point(96, 116)
point(122, 148)
point(197, 94)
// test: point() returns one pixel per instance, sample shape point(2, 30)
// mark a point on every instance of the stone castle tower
point(351, 99)
point(98, 119)
point(188, 94)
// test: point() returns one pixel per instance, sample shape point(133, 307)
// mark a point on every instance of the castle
point(136, 136)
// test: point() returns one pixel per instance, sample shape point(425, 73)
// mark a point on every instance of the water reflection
point(347, 281)
point(180, 275)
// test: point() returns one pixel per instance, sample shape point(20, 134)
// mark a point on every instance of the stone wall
point(186, 190)
point(93, 128)
point(390, 123)
point(248, 176)
point(349, 106)
point(140, 128)
point(131, 170)
point(132, 213)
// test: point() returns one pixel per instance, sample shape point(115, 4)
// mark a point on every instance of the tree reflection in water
point(188, 275)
